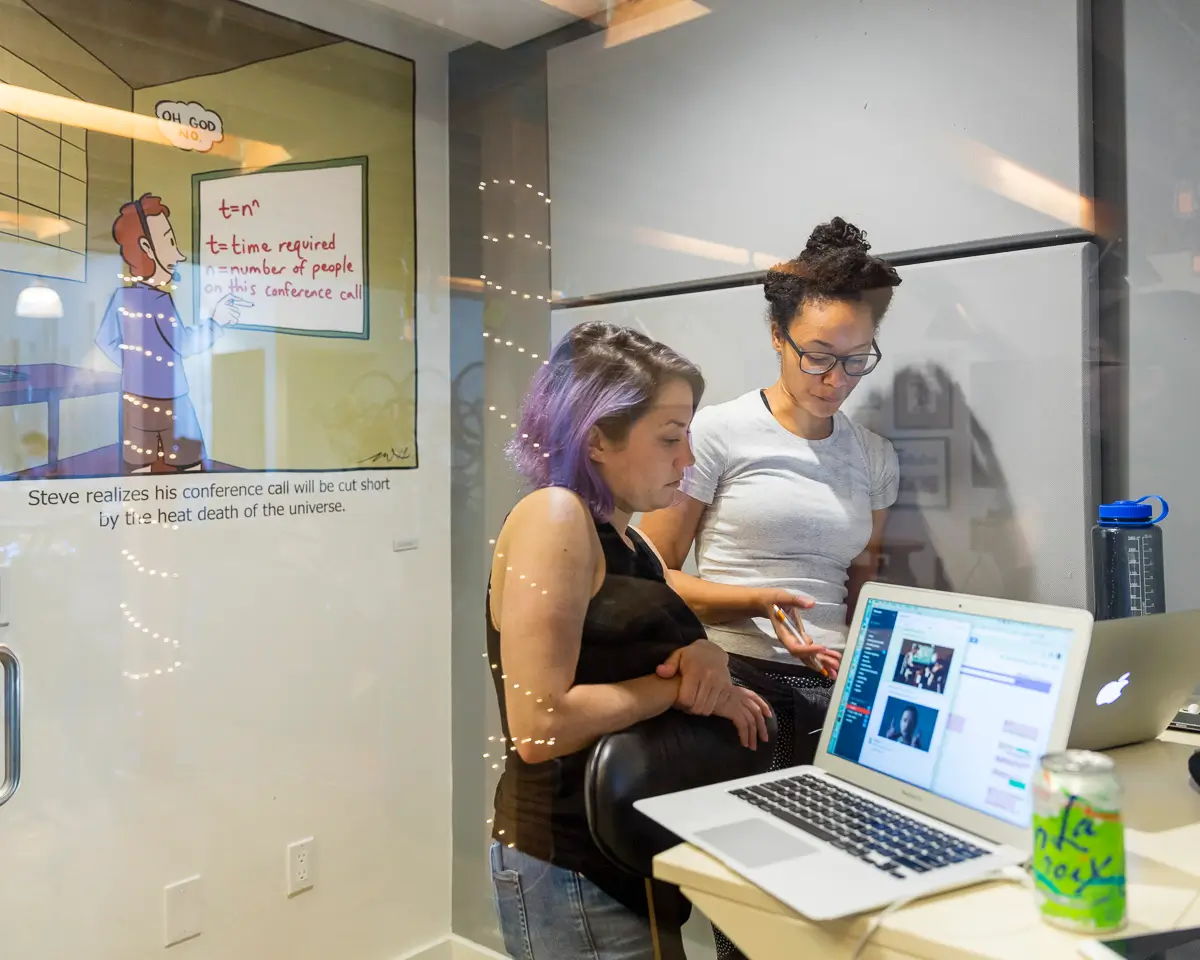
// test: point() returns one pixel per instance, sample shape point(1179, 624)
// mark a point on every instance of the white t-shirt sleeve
point(710, 448)
point(887, 487)
point(883, 466)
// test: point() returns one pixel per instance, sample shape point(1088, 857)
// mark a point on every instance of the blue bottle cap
point(1134, 513)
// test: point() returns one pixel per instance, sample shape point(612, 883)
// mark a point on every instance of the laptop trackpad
point(755, 843)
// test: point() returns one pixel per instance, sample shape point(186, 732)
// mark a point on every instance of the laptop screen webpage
point(957, 704)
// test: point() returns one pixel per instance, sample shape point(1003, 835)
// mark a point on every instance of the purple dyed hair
point(599, 375)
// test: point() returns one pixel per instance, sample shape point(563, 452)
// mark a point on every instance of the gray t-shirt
point(784, 512)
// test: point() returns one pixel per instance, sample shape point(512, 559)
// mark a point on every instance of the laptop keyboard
point(889, 841)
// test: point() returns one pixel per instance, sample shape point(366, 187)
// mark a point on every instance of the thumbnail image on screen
point(909, 724)
point(924, 666)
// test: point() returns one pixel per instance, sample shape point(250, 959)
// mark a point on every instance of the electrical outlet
point(301, 866)
point(183, 911)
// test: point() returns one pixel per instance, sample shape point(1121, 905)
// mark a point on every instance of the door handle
point(11, 684)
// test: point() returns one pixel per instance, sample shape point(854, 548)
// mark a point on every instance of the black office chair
point(668, 753)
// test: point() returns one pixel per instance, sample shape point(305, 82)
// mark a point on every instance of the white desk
point(993, 920)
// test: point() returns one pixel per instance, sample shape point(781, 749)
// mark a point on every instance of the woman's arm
point(865, 567)
point(548, 563)
point(672, 530)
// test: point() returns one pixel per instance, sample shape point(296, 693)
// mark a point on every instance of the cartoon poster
point(192, 279)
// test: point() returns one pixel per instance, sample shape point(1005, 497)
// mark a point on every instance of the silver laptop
point(923, 775)
point(1139, 670)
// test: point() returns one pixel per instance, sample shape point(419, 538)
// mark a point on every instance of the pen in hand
point(778, 614)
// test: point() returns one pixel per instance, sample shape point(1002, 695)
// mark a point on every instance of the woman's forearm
point(587, 712)
point(716, 602)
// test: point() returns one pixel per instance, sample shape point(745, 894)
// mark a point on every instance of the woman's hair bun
point(783, 283)
point(837, 234)
point(835, 265)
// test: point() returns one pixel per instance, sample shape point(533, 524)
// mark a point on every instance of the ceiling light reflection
point(252, 154)
point(635, 19)
point(1008, 178)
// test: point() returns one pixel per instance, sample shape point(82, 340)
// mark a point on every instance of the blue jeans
point(548, 913)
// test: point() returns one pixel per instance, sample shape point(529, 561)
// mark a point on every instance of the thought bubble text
point(189, 126)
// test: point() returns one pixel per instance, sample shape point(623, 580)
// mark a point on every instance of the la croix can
point(1079, 843)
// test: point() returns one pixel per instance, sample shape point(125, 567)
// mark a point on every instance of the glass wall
point(1025, 170)
point(274, 281)
point(219, 454)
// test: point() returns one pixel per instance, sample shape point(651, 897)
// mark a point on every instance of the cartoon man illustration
point(143, 334)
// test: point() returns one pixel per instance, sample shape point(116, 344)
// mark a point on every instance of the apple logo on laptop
point(1111, 691)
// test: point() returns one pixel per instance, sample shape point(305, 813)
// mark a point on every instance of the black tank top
point(632, 624)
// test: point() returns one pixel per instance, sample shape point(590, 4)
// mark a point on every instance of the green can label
point(1079, 865)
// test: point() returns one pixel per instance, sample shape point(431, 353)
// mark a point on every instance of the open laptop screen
point(952, 702)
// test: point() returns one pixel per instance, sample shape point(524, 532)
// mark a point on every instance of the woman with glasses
point(787, 498)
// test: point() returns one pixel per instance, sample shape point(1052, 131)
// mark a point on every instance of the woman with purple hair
point(584, 635)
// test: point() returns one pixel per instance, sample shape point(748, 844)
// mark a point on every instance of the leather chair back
point(665, 754)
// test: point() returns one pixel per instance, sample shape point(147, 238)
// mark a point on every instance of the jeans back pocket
point(510, 908)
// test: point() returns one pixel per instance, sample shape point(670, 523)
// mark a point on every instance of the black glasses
point(817, 364)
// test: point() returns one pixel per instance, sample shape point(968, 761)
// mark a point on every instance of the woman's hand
point(829, 660)
point(749, 713)
point(703, 669)
point(822, 659)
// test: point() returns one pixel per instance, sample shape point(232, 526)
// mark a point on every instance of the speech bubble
point(189, 126)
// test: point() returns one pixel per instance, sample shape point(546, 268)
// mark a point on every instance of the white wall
point(1008, 332)
point(313, 696)
point(711, 148)
point(1163, 141)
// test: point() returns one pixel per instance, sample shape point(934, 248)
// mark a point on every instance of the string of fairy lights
point(507, 418)
point(165, 284)
point(509, 343)
point(499, 288)
point(513, 236)
point(483, 185)
point(525, 237)
point(499, 745)
point(135, 621)
point(502, 743)
point(140, 566)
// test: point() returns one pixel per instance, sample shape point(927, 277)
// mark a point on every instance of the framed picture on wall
point(923, 399)
point(924, 472)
